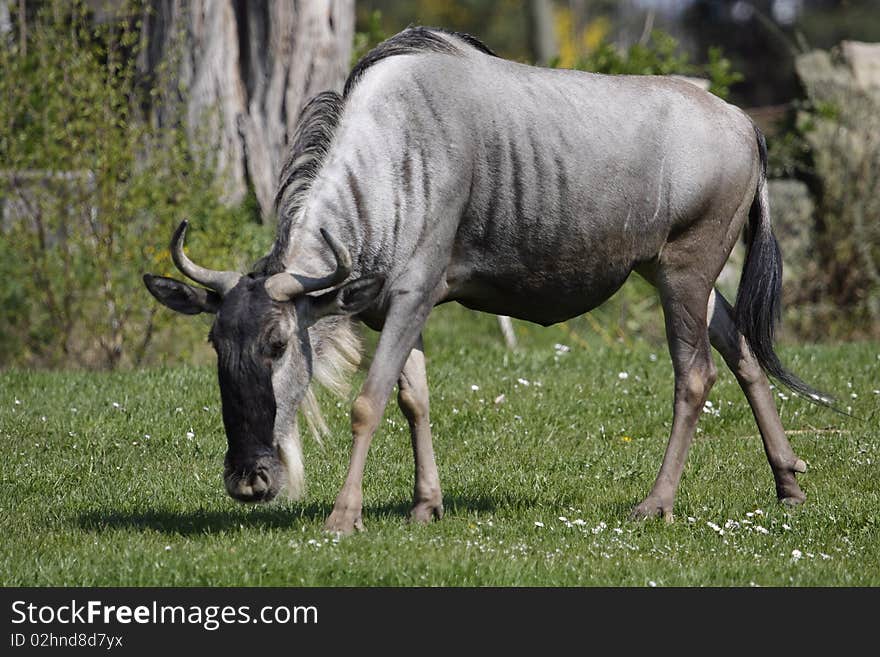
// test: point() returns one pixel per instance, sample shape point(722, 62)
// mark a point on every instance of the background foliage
point(837, 134)
point(91, 190)
point(92, 194)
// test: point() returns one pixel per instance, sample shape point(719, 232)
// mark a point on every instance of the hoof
point(789, 492)
point(653, 507)
point(425, 512)
point(793, 500)
point(344, 522)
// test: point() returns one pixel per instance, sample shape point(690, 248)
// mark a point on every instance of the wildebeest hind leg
point(412, 398)
point(684, 295)
point(732, 346)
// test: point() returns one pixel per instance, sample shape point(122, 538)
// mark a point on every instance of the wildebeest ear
point(352, 298)
point(181, 297)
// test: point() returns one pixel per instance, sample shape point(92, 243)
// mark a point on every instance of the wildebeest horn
point(286, 286)
point(219, 281)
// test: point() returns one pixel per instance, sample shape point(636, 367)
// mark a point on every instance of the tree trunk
point(542, 32)
point(247, 69)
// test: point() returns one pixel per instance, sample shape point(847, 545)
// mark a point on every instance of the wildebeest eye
point(274, 345)
point(273, 349)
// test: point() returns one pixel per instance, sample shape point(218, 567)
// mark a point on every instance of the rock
point(792, 212)
point(853, 69)
point(863, 60)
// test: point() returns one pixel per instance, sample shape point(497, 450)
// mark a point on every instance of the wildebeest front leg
point(684, 309)
point(732, 345)
point(412, 398)
point(402, 328)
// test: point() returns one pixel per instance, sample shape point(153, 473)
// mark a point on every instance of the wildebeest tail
point(758, 305)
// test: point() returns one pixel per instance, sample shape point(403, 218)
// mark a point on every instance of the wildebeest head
point(265, 357)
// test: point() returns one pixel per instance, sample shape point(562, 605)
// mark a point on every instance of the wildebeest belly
point(548, 262)
point(534, 288)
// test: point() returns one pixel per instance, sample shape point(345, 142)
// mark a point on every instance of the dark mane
point(412, 40)
point(314, 131)
point(318, 120)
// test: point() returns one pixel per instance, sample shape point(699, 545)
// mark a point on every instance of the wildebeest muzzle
point(255, 480)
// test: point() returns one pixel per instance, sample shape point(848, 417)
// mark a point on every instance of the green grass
point(88, 499)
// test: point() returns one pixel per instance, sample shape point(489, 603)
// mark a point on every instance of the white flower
point(652, 358)
point(190, 435)
point(115, 404)
point(784, 526)
point(623, 375)
point(761, 530)
point(499, 399)
point(561, 348)
point(523, 382)
point(538, 523)
point(796, 554)
point(652, 583)
point(475, 387)
point(167, 548)
point(712, 525)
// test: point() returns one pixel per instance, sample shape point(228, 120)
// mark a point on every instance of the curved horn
point(285, 286)
point(219, 281)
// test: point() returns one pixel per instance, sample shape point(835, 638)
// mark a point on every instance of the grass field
point(115, 479)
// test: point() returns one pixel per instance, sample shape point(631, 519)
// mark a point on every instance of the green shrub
point(661, 55)
point(371, 36)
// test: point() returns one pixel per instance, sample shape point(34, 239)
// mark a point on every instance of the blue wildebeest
point(444, 173)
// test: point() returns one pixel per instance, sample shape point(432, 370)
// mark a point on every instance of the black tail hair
point(758, 301)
